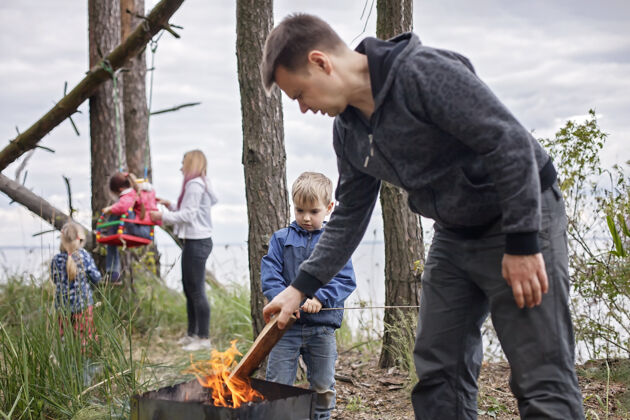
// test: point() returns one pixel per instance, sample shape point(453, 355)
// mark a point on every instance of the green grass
point(45, 375)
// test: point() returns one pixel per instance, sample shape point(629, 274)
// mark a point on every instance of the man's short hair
point(289, 43)
point(310, 188)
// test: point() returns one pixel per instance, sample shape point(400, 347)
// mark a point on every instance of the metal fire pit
point(189, 400)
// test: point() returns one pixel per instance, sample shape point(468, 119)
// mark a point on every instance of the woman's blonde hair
point(195, 164)
point(72, 238)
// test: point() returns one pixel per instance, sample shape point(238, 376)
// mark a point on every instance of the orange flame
point(215, 374)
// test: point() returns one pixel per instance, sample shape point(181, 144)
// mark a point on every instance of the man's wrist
point(306, 283)
point(522, 243)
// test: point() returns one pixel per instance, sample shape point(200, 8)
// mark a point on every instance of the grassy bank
point(45, 375)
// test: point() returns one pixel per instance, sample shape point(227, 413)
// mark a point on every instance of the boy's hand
point(312, 306)
point(285, 304)
point(156, 216)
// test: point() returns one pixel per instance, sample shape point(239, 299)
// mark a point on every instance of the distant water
point(229, 264)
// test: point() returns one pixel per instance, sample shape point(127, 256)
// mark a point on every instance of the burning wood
point(215, 374)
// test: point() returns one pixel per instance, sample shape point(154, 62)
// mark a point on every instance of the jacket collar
point(384, 58)
point(294, 225)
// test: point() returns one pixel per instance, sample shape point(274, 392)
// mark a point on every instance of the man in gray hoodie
point(420, 118)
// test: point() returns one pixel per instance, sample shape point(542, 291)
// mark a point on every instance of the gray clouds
point(548, 61)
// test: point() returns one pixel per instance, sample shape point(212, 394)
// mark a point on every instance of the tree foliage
point(598, 204)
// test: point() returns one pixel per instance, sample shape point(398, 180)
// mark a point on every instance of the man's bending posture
point(420, 118)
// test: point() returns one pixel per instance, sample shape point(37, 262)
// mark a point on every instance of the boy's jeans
point(318, 347)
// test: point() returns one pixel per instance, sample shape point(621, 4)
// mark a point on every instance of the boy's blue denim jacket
point(288, 248)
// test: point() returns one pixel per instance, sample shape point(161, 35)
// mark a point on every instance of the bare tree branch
point(38, 205)
point(175, 108)
point(156, 20)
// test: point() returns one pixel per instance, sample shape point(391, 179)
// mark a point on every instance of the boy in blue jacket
point(313, 334)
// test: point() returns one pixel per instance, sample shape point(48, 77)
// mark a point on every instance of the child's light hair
point(311, 188)
point(72, 237)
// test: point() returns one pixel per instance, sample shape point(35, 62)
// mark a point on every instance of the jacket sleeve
point(55, 274)
point(90, 268)
point(271, 266)
point(356, 194)
point(445, 90)
point(123, 203)
point(189, 207)
point(339, 288)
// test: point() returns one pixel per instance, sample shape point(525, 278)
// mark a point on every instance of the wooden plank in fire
point(265, 341)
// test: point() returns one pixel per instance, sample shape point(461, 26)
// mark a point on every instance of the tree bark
point(38, 206)
point(404, 248)
point(264, 157)
point(136, 115)
point(134, 101)
point(107, 143)
point(157, 19)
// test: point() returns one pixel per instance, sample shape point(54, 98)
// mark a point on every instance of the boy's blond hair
point(310, 188)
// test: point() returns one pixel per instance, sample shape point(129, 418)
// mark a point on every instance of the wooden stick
point(265, 341)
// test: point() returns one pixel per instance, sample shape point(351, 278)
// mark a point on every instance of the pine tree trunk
point(404, 248)
point(104, 35)
point(264, 157)
point(135, 95)
point(137, 146)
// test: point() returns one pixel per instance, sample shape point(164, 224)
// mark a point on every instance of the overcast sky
point(549, 61)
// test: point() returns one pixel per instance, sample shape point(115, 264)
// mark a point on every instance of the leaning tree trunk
point(106, 152)
point(264, 156)
point(135, 95)
point(38, 206)
point(404, 249)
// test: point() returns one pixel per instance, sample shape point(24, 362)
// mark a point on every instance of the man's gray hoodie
point(438, 132)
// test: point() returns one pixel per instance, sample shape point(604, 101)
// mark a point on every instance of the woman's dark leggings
point(194, 257)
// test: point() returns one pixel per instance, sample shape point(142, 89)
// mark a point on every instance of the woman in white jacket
point(192, 222)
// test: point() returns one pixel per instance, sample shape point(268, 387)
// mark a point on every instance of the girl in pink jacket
point(123, 184)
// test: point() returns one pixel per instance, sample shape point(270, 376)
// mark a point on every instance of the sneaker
point(114, 278)
point(198, 344)
point(185, 340)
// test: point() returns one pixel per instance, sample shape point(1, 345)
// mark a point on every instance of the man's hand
point(312, 306)
point(284, 304)
point(527, 277)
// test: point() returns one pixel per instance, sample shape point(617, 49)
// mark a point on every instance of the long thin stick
point(371, 307)
point(86, 390)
